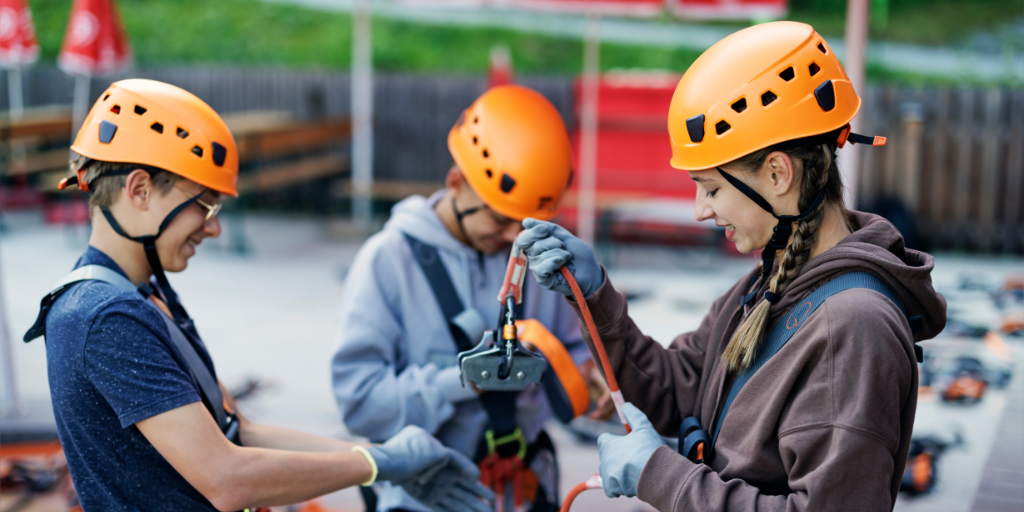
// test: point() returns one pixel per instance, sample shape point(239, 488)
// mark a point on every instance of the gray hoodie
point(394, 355)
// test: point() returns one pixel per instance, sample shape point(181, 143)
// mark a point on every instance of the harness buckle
point(515, 437)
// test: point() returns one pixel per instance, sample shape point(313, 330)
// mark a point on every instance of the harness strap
point(784, 330)
point(202, 375)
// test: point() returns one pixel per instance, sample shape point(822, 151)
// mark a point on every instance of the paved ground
point(270, 314)
point(947, 62)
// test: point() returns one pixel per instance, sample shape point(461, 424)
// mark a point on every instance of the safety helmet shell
point(156, 124)
point(760, 86)
point(514, 151)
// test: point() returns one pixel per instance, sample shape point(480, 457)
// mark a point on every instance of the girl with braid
point(799, 388)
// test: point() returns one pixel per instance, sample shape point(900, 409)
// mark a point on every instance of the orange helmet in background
point(160, 125)
point(760, 86)
point(512, 146)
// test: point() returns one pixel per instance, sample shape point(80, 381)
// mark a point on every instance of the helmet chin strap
point(149, 245)
point(782, 231)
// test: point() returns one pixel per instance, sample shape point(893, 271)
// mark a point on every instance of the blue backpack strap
point(784, 330)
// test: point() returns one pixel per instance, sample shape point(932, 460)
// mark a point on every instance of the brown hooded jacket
point(825, 424)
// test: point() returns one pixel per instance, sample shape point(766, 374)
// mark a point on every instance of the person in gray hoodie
point(822, 421)
point(395, 354)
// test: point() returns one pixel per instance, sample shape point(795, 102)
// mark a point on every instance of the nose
point(512, 231)
point(702, 208)
point(211, 229)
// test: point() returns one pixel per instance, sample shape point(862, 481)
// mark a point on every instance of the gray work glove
point(623, 457)
point(435, 475)
point(548, 247)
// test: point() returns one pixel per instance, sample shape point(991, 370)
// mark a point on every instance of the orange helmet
point(159, 125)
point(512, 147)
point(763, 85)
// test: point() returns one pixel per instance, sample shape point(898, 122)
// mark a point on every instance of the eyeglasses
point(211, 209)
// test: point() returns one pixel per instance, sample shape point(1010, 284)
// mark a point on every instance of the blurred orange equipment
point(34, 477)
point(512, 147)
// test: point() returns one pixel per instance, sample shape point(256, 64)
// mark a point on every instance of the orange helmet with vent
point(160, 125)
point(512, 147)
point(760, 86)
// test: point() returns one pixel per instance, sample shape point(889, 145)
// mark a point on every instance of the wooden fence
point(955, 157)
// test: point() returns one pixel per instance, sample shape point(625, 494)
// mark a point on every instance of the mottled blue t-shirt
point(111, 365)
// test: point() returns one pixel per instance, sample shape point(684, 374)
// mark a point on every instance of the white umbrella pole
point(588, 129)
point(11, 399)
point(856, 52)
point(80, 106)
point(362, 113)
point(15, 94)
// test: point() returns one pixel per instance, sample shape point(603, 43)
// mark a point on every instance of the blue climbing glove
point(623, 457)
point(435, 475)
point(548, 247)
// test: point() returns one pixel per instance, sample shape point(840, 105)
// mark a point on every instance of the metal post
point(362, 113)
point(80, 105)
point(15, 94)
point(585, 206)
point(856, 52)
point(11, 405)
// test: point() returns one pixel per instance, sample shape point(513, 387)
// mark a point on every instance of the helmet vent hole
point(740, 105)
point(182, 133)
point(197, 151)
point(821, 47)
point(722, 127)
point(106, 96)
point(116, 109)
point(490, 174)
point(474, 140)
point(140, 109)
point(486, 154)
point(157, 127)
point(767, 98)
point(219, 154)
point(788, 74)
point(507, 183)
point(476, 119)
point(813, 68)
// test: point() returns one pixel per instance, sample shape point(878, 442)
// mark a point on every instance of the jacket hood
point(876, 246)
point(415, 216)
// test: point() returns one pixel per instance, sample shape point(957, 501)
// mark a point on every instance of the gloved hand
point(435, 475)
point(548, 247)
point(623, 457)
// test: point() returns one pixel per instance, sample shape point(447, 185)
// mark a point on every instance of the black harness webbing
point(785, 329)
point(500, 405)
point(181, 342)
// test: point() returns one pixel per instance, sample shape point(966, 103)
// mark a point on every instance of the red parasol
point(95, 42)
point(18, 46)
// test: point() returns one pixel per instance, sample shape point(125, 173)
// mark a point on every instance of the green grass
point(252, 32)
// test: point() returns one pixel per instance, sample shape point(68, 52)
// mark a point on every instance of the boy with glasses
point(144, 422)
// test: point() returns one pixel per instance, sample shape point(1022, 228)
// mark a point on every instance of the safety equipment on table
point(787, 327)
point(623, 457)
point(512, 147)
point(549, 248)
point(761, 86)
point(505, 455)
point(919, 475)
point(160, 127)
point(433, 474)
point(183, 339)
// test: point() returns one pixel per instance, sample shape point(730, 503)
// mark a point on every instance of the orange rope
point(567, 503)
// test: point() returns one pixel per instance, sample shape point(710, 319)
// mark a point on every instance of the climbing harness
point(184, 339)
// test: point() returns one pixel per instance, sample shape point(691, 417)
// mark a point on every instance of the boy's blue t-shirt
point(111, 365)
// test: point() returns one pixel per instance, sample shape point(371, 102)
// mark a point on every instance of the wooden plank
point(989, 169)
point(48, 122)
point(938, 171)
point(33, 162)
point(294, 139)
point(964, 146)
point(1014, 189)
point(284, 175)
point(1002, 485)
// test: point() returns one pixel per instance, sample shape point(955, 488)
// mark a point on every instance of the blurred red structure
point(95, 42)
point(729, 9)
point(18, 46)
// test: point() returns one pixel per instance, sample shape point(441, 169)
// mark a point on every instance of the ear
point(782, 171)
point(454, 181)
point(138, 189)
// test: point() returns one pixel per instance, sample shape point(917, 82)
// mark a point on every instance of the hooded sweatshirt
point(395, 361)
point(825, 424)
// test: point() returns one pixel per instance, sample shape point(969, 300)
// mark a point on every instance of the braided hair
point(820, 171)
